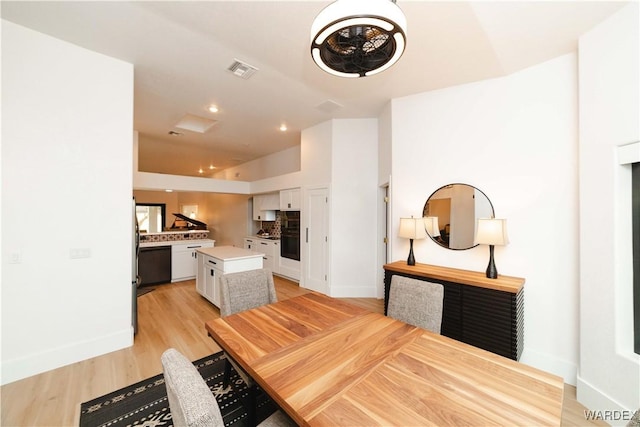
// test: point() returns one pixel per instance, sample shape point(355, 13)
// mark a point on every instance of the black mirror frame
point(163, 211)
point(493, 212)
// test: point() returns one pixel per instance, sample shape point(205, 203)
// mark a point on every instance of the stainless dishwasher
point(154, 265)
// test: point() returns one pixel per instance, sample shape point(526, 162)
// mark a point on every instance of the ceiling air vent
point(329, 106)
point(242, 69)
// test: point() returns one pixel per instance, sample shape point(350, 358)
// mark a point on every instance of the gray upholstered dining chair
point(191, 402)
point(416, 302)
point(239, 292)
point(246, 290)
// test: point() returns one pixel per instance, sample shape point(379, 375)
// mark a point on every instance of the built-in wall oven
point(290, 234)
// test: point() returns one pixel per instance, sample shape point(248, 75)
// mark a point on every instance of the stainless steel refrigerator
point(135, 279)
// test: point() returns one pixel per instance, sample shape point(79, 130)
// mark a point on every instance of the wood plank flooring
point(172, 315)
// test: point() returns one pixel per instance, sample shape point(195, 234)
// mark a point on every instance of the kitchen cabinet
point(184, 263)
point(265, 206)
point(250, 244)
point(290, 199)
point(269, 248)
point(216, 261)
point(270, 201)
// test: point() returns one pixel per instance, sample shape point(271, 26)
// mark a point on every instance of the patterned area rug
point(145, 404)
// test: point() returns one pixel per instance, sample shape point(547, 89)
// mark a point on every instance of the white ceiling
point(181, 52)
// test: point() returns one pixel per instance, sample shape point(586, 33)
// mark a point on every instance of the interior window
point(150, 217)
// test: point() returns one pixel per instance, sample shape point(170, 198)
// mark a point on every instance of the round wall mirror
point(451, 213)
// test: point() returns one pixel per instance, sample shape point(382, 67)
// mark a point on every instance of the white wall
point(315, 153)
point(158, 181)
point(609, 377)
point(514, 138)
point(67, 120)
point(341, 155)
point(273, 165)
point(354, 192)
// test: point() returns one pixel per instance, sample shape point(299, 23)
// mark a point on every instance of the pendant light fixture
point(358, 38)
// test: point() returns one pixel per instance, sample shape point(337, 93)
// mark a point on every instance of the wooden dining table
point(330, 363)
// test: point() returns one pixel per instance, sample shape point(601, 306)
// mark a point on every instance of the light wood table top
point(329, 363)
point(473, 278)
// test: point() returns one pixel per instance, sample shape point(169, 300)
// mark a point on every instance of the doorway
point(315, 240)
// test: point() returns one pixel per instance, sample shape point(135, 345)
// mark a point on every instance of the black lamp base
point(492, 271)
point(411, 260)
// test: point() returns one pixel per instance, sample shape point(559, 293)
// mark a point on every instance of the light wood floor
point(172, 315)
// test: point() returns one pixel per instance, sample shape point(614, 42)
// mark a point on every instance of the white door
point(315, 241)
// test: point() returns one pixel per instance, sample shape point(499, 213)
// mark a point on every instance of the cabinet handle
point(263, 243)
point(212, 272)
point(213, 262)
point(193, 247)
point(307, 235)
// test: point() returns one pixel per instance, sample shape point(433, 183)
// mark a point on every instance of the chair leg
point(227, 374)
point(251, 405)
point(252, 393)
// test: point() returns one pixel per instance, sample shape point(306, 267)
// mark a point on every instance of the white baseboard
point(33, 364)
point(601, 404)
point(353, 292)
point(548, 363)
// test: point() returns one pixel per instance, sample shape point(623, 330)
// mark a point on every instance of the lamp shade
point(491, 231)
point(431, 225)
point(358, 38)
point(412, 228)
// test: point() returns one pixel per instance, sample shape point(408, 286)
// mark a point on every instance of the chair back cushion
point(246, 290)
point(416, 302)
point(191, 402)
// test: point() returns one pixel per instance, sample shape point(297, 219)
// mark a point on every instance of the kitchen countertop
point(227, 253)
point(175, 242)
point(174, 232)
point(266, 239)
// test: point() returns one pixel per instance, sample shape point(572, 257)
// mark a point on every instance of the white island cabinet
point(216, 261)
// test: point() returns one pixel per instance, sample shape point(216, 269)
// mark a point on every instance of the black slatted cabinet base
point(486, 318)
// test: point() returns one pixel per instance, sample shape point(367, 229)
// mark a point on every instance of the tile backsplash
point(169, 236)
point(272, 227)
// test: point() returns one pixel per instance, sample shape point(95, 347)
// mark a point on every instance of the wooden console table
point(483, 312)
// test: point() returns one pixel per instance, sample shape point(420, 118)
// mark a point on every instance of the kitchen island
point(216, 261)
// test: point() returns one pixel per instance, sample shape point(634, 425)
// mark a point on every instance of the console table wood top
point(467, 277)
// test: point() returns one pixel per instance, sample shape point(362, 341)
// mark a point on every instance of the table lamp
point(412, 228)
point(491, 231)
point(431, 225)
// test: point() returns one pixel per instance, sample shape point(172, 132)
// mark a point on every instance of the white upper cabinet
point(290, 200)
point(265, 207)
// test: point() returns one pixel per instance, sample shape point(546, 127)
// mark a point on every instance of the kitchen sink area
point(170, 256)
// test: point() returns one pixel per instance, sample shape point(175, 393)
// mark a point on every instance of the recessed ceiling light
point(283, 127)
point(211, 167)
point(213, 109)
point(168, 191)
point(200, 170)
